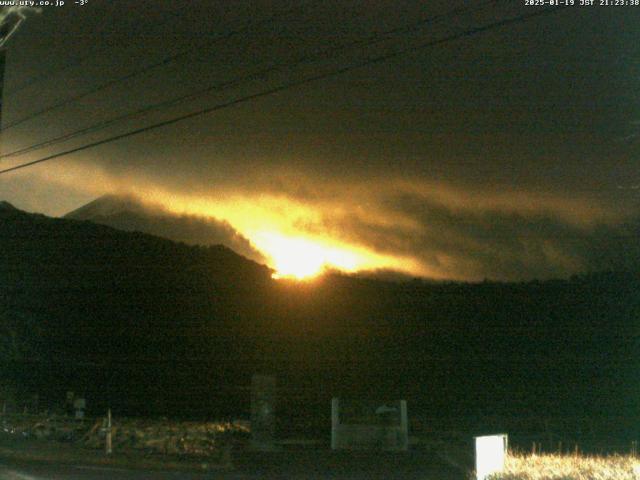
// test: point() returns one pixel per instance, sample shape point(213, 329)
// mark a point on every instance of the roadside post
point(108, 444)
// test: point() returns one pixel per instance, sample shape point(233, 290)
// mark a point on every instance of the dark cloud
point(495, 156)
point(476, 242)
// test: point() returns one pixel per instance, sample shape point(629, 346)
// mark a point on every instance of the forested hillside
point(162, 327)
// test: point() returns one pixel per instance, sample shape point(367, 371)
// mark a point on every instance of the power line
point(141, 71)
point(45, 76)
point(370, 40)
point(296, 83)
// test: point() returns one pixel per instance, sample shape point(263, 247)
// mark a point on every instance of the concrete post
point(404, 426)
point(335, 422)
point(263, 417)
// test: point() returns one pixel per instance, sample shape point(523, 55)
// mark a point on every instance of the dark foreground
point(303, 464)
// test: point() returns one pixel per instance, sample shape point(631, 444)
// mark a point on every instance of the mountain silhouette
point(129, 213)
point(6, 206)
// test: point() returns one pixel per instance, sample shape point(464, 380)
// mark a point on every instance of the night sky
point(509, 154)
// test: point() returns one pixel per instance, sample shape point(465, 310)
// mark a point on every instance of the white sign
point(491, 451)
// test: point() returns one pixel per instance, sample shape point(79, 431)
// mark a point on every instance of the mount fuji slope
point(128, 213)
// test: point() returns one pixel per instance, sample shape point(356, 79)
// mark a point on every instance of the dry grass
point(569, 467)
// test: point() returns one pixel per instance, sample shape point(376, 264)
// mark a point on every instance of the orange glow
point(301, 258)
point(275, 224)
point(271, 223)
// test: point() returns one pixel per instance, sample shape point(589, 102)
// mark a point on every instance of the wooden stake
point(109, 446)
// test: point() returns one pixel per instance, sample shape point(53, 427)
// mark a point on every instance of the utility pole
point(10, 20)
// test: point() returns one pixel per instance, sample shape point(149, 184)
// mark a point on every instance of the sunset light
point(300, 258)
point(274, 225)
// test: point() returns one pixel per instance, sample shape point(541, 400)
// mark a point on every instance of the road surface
point(280, 465)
